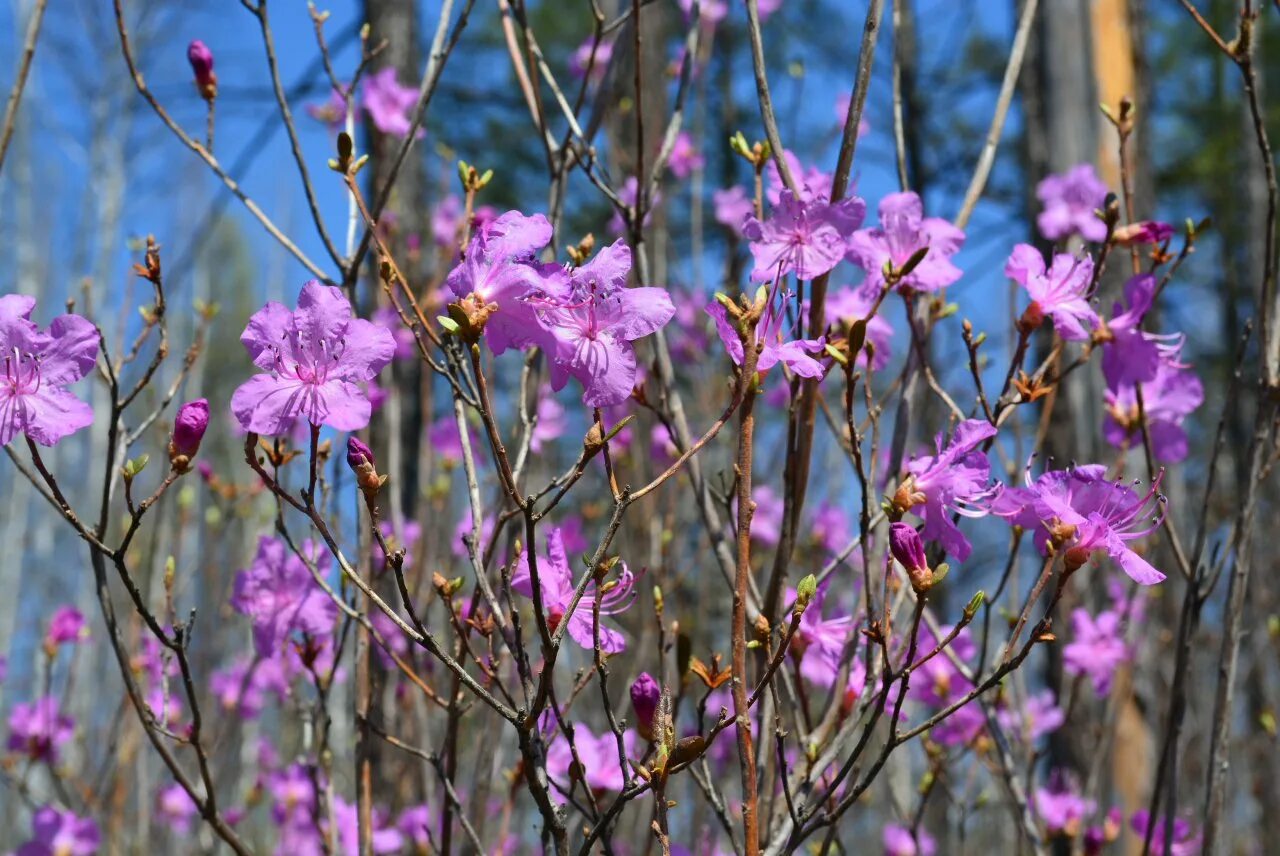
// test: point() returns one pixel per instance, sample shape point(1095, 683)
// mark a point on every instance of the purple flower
point(1143, 232)
point(358, 454)
point(500, 267)
point(598, 756)
point(908, 550)
point(710, 12)
point(846, 305)
point(333, 112)
point(38, 729)
point(942, 684)
point(1097, 647)
point(556, 579)
point(388, 104)
point(280, 596)
point(315, 358)
point(1167, 399)
point(1186, 842)
point(807, 238)
point(901, 841)
point(1060, 292)
point(685, 157)
point(189, 426)
point(60, 833)
point(645, 695)
point(1040, 715)
point(766, 520)
point(463, 530)
point(830, 527)
point(4, 668)
point(796, 354)
point(245, 684)
point(733, 206)
point(842, 113)
point(386, 839)
point(1084, 512)
point(903, 231)
point(813, 185)
point(954, 481)
point(593, 328)
point(1070, 200)
point(67, 625)
point(414, 824)
point(819, 642)
point(1061, 806)
point(201, 59)
point(627, 195)
point(582, 59)
point(551, 422)
point(446, 220)
point(175, 809)
point(38, 366)
point(1129, 355)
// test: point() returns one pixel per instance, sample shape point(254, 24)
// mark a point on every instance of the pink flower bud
point(1143, 232)
point(908, 549)
point(67, 625)
point(188, 429)
point(358, 454)
point(645, 694)
point(201, 59)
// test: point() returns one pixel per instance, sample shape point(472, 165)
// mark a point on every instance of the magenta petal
point(73, 352)
point(50, 415)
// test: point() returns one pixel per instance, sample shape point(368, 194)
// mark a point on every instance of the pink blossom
point(901, 841)
point(796, 354)
point(1167, 399)
point(1061, 292)
point(627, 195)
point(804, 238)
point(598, 756)
point(685, 157)
point(819, 642)
point(201, 60)
point(1186, 841)
point(1097, 647)
point(582, 60)
point(812, 184)
point(1061, 807)
point(1070, 200)
point(175, 809)
point(60, 833)
point(733, 206)
point(66, 626)
point(954, 481)
point(1040, 715)
point(904, 231)
point(388, 103)
point(39, 729)
point(38, 366)
point(280, 596)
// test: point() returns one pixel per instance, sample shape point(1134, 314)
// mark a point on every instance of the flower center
point(21, 373)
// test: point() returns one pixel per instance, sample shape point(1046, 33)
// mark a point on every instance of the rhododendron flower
point(333, 112)
point(1059, 292)
point(627, 195)
point(551, 422)
point(315, 358)
point(733, 206)
point(66, 625)
point(599, 769)
point(766, 520)
point(60, 833)
point(685, 157)
point(1130, 355)
point(1086, 513)
point(797, 355)
point(556, 580)
point(1038, 716)
point(201, 60)
point(942, 684)
point(645, 695)
point(389, 104)
point(175, 809)
point(1167, 399)
point(245, 684)
point(446, 220)
point(581, 59)
point(1061, 806)
point(908, 550)
point(812, 184)
point(954, 481)
point(189, 425)
point(1186, 841)
point(38, 729)
point(901, 841)
point(1070, 201)
point(804, 238)
point(904, 231)
point(1097, 647)
point(406, 343)
point(37, 368)
point(593, 328)
point(846, 305)
point(830, 527)
point(463, 531)
point(1142, 232)
point(819, 642)
point(500, 266)
point(415, 824)
point(281, 597)
point(346, 816)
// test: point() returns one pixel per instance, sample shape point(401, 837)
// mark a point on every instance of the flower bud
point(360, 459)
point(358, 454)
point(645, 695)
point(908, 549)
point(201, 59)
point(188, 430)
point(1142, 232)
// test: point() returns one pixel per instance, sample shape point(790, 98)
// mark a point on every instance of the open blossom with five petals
point(954, 481)
point(797, 354)
point(555, 578)
point(1059, 292)
point(39, 729)
point(500, 266)
point(1097, 647)
point(279, 594)
point(1167, 399)
point(60, 833)
point(592, 330)
point(904, 231)
point(389, 103)
point(819, 643)
point(804, 238)
point(1070, 201)
point(1129, 354)
point(315, 359)
point(35, 369)
point(1061, 806)
point(1084, 512)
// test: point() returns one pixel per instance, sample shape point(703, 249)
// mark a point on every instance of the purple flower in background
point(280, 596)
point(766, 521)
point(414, 824)
point(4, 668)
point(903, 231)
point(333, 112)
point(175, 809)
point(954, 481)
point(710, 12)
point(830, 527)
point(37, 368)
point(812, 184)
point(1040, 715)
point(38, 729)
point(1167, 399)
point(1084, 512)
point(389, 104)
point(446, 441)
point(245, 684)
point(1059, 292)
point(846, 305)
point(942, 684)
point(386, 839)
point(598, 756)
point(819, 642)
point(551, 422)
point(463, 530)
point(201, 60)
point(645, 695)
point(593, 328)
point(685, 157)
point(60, 833)
point(1097, 647)
point(805, 238)
point(1186, 841)
point(446, 220)
point(314, 357)
point(500, 266)
point(842, 114)
point(1070, 200)
point(66, 625)
point(1061, 806)
point(733, 206)
point(581, 59)
point(627, 194)
point(557, 583)
point(1142, 232)
point(797, 354)
point(1130, 355)
point(406, 344)
point(901, 841)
